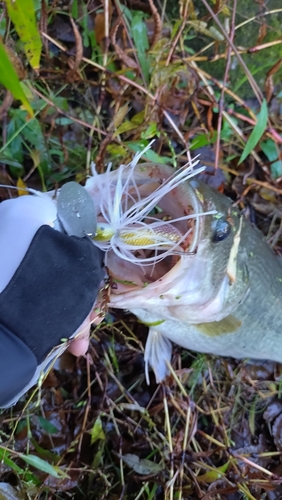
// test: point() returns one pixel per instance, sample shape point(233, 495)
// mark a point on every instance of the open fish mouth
point(148, 219)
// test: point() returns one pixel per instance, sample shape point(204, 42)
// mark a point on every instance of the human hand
point(49, 282)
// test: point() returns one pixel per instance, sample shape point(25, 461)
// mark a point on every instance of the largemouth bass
point(190, 267)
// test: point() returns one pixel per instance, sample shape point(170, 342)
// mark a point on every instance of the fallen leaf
point(142, 466)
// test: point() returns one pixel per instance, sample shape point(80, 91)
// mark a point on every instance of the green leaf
point(97, 432)
point(46, 454)
point(9, 78)
point(44, 466)
point(139, 33)
point(116, 150)
point(271, 152)
point(139, 118)
point(151, 131)
point(97, 458)
point(213, 475)
point(47, 426)
point(257, 132)
point(175, 28)
point(4, 456)
point(74, 9)
point(202, 140)
point(28, 476)
point(23, 16)
point(126, 126)
point(9, 161)
point(150, 154)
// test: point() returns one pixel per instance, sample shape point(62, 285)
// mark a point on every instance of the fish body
point(243, 320)
point(224, 298)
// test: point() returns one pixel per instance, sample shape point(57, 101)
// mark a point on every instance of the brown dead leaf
point(100, 26)
point(78, 45)
point(274, 68)
point(262, 32)
point(16, 61)
point(125, 58)
point(6, 104)
point(209, 119)
point(178, 442)
point(158, 23)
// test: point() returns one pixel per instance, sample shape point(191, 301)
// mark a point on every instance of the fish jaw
point(177, 295)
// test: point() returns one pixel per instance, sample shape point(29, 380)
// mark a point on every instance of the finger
point(80, 345)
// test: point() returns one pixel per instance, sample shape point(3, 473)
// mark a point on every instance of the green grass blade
point(257, 132)
point(42, 465)
point(47, 426)
point(4, 457)
point(271, 151)
point(139, 33)
point(9, 78)
point(27, 475)
point(97, 432)
point(23, 16)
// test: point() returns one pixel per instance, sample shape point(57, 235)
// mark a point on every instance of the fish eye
point(221, 230)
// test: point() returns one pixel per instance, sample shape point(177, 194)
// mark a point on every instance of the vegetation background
point(95, 81)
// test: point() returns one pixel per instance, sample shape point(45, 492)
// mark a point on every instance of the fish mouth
point(159, 260)
point(158, 222)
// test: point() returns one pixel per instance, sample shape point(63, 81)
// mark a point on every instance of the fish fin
point(158, 351)
point(226, 325)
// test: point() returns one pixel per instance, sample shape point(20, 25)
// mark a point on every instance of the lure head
point(76, 211)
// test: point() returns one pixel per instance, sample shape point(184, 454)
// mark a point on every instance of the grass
point(112, 78)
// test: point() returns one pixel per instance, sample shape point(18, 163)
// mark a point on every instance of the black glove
point(49, 282)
